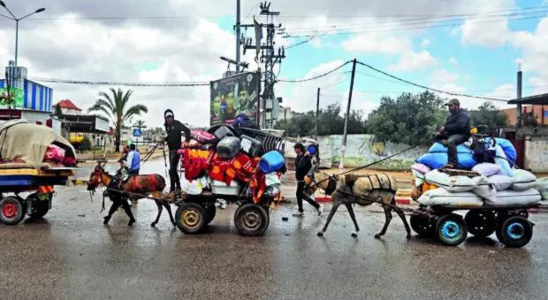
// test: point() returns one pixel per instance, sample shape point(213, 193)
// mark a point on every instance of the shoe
point(320, 210)
point(299, 214)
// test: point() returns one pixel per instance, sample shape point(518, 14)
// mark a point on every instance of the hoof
point(174, 224)
point(377, 236)
point(354, 235)
point(106, 219)
point(320, 233)
point(408, 236)
point(130, 223)
point(153, 224)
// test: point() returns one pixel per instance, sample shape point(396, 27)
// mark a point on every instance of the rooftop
point(67, 104)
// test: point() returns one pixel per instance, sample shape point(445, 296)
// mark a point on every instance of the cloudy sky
point(456, 46)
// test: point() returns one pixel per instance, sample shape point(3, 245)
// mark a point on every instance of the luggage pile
point(494, 184)
point(229, 162)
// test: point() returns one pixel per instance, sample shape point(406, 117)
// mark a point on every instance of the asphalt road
point(71, 255)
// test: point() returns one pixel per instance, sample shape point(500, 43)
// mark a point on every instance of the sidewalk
point(87, 158)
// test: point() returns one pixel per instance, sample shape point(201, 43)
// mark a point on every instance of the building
point(68, 108)
point(539, 112)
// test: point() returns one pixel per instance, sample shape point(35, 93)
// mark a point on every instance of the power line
point(134, 84)
point(429, 88)
point(315, 77)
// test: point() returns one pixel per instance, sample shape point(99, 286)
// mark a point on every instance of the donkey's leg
point(168, 208)
point(129, 213)
point(113, 208)
point(387, 219)
point(402, 217)
point(353, 217)
point(336, 204)
point(160, 208)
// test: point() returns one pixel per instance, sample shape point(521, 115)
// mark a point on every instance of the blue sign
point(136, 132)
point(546, 114)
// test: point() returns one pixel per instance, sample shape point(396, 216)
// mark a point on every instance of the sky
point(455, 46)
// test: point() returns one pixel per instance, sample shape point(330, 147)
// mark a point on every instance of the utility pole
point(345, 136)
point(317, 112)
point(519, 85)
point(270, 56)
point(238, 36)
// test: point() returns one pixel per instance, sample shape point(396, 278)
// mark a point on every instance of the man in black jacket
point(302, 167)
point(174, 130)
point(455, 132)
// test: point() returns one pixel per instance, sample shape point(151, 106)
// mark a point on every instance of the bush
point(85, 145)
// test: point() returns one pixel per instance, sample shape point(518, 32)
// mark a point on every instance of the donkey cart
point(195, 212)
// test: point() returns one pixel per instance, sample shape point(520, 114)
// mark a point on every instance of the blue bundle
point(437, 157)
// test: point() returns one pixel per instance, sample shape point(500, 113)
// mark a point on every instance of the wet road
point(71, 255)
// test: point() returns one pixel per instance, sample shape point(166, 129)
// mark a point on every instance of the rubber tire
point(251, 210)
point(42, 207)
point(196, 211)
point(211, 212)
point(422, 225)
point(451, 221)
point(505, 237)
point(18, 205)
point(481, 223)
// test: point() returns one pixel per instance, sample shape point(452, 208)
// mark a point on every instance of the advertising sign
point(233, 96)
point(19, 97)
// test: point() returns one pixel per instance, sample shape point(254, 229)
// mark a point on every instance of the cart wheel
point(451, 230)
point(481, 223)
point(251, 220)
point(515, 232)
point(39, 208)
point(211, 211)
point(422, 225)
point(190, 218)
point(524, 213)
point(12, 211)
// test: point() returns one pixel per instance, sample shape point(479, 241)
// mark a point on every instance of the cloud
point(444, 76)
point(412, 61)
point(425, 43)
point(377, 44)
point(454, 61)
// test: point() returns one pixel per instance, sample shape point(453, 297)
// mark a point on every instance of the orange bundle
point(196, 162)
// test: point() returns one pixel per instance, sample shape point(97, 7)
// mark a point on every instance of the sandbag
point(485, 189)
point(438, 160)
point(524, 180)
point(510, 197)
point(423, 169)
point(487, 169)
point(502, 161)
point(455, 184)
point(228, 147)
point(542, 187)
point(443, 197)
point(418, 176)
point(501, 182)
point(438, 147)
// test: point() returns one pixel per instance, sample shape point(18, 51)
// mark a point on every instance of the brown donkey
point(136, 187)
point(363, 190)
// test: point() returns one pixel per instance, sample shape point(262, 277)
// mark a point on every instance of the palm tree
point(116, 107)
point(140, 124)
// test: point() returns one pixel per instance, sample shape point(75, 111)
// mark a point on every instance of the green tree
point(409, 119)
point(116, 107)
point(140, 124)
point(488, 114)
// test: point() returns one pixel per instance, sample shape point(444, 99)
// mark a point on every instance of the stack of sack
point(492, 187)
point(225, 163)
point(504, 151)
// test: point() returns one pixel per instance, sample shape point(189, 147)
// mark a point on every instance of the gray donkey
point(363, 190)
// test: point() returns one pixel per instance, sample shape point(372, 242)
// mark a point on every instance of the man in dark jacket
point(174, 130)
point(455, 132)
point(302, 167)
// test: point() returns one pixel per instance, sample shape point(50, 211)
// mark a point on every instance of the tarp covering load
point(23, 142)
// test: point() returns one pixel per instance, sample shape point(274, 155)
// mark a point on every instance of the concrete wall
point(536, 154)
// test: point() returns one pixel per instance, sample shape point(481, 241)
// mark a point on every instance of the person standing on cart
point(133, 160)
point(455, 132)
point(174, 130)
point(303, 165)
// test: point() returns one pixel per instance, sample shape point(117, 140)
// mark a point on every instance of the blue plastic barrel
point(312, 149)
point(271, 162)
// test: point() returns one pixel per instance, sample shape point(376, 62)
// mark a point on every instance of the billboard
point(233, 96)
point(19, 95)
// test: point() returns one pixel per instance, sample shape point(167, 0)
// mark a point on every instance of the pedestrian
point(303, 166)
point(455, 132)
point(174, 130)
point(133, 160)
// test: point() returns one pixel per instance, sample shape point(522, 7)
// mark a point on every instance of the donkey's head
point(326, 182)
point(98, 177)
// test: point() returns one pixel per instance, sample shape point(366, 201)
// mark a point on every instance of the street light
point(14, 18)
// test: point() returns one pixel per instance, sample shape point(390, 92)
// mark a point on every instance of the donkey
point(363, 190)
point(135, 188)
